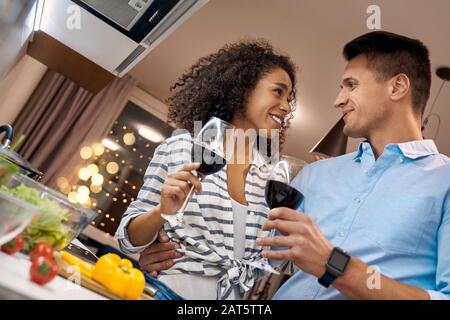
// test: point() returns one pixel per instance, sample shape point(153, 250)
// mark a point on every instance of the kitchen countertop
point(15, 283)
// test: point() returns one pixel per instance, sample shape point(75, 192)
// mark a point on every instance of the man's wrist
point(348, 276)
point(335, 266)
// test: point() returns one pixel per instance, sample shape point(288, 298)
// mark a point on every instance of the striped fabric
point(206, 238)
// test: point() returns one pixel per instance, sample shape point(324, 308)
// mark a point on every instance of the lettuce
point(49, 225)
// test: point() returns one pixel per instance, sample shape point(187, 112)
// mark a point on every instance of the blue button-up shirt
point(393, 213)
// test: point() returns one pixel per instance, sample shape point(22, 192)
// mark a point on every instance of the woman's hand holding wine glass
point(209, 156)
point(176, 188)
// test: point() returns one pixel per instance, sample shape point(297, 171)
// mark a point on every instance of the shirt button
point(401, 160)
point(251, 213)
point(364, 147)
point(356, 200)
point(342, 234)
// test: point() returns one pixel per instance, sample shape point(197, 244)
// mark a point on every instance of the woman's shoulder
point(183, 140)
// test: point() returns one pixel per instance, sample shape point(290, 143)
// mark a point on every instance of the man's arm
point(309, 250)
point(159, 255)
point(354, 284)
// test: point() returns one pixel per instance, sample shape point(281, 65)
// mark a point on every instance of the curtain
point(60, 117)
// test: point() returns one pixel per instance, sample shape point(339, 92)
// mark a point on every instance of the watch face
point(339, 260)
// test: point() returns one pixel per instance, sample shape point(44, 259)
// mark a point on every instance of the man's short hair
point(389, 54)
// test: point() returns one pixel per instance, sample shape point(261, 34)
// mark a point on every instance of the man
point(375, 224)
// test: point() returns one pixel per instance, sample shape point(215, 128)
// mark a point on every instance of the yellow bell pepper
point(85, 268)
point(119, 276)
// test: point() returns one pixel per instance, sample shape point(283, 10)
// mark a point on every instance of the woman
point(250, 86)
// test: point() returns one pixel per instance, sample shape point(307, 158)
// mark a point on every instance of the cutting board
point(66, 270)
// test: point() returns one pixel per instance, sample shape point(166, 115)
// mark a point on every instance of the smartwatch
point(335, 267)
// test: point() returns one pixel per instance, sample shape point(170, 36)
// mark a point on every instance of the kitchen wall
point(17, 86)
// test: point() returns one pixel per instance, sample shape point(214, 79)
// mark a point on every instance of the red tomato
point(13, 246)
point(43, 270)
point(42, 249)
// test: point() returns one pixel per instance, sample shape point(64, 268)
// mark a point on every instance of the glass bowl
point(15, 215)
point(60, 220)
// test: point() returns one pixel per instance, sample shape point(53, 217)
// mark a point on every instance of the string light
point(63, 185)
point(72, 196)
point(98, 149)
point(97, 179)
point(129, 139)
point(93, 169)
point(109, 161)
point(112, 167)
point(96, 188)
point(86, 153)
point(82, 198)
point(84, 174)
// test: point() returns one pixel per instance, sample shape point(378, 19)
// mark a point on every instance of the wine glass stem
point(270, 235)
point(186, 201)
point(188, 197)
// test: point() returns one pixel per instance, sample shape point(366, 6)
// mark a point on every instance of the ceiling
point(313, 33)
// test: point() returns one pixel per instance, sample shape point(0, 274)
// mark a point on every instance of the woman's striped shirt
point(206, 237)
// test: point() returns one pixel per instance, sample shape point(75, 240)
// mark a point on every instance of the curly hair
point(220, 83)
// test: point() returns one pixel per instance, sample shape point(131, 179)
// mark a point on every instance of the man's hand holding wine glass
point(301, 239)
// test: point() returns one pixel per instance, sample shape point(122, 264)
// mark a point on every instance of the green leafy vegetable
point(49, 225)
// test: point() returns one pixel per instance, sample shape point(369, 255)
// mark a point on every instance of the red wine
point(279, 194)
point(210, 161)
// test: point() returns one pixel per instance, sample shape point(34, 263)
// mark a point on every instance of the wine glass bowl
point(280, 193)
point(211, 148)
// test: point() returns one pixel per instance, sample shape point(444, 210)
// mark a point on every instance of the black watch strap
point(327, 279)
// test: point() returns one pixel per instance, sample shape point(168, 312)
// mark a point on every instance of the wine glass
point(280, 193)
point(212, 147)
